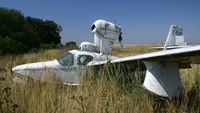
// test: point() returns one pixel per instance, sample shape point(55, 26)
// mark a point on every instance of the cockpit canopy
point(67, 59)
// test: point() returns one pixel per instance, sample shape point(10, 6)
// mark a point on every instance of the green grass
point(99, 93)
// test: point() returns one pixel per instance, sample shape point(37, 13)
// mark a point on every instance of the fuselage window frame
point(85, 61)
point(66, 59)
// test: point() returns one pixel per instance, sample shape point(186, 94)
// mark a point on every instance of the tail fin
point(175, 37)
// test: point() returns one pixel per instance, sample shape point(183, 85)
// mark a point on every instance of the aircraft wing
point(189, 55)
point(162, 68)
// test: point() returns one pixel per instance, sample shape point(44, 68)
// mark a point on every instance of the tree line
point(19, 34)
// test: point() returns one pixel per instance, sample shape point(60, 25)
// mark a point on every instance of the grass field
point(100, 94)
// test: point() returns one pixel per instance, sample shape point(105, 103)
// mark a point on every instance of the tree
point(48, 31)
point(6, 45)
point(19, 34)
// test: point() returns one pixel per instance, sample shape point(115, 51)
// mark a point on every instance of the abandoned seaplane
point(162, 67)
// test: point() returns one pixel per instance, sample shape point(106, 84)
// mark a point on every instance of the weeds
point(80, 100)
point(105, 92)
point(6, 103)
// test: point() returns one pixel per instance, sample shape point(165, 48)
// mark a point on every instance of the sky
point(142, 21)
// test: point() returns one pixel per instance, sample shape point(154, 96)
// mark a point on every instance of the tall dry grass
point(104, 92)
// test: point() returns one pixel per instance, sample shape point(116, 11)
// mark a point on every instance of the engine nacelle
point(106, 29)
point(105, 33)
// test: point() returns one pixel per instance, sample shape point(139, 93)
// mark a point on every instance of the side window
point(84, 59)
point(67, 59)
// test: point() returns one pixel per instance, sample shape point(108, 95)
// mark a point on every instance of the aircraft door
point(67, 72)
point(82, 61)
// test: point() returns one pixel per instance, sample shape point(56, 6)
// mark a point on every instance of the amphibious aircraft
point(162, 67)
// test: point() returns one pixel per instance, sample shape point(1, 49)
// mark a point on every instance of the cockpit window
point(84, 59)
point(67, 59)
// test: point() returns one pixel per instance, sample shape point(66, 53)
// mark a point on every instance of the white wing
point(189, 55)
point(162, 68)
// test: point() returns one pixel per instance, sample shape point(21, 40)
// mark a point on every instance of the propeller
point(120, 40)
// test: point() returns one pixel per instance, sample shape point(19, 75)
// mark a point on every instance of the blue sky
point(142, 21)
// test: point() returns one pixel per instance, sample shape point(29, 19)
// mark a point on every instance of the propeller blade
point(120, 40)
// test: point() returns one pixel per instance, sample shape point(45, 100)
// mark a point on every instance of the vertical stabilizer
point(175, 37)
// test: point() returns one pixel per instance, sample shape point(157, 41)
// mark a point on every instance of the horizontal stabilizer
point(169, 47)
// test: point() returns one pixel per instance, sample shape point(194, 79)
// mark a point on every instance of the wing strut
point(163, 79)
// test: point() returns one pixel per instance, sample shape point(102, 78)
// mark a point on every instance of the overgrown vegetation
point(20, 34)
point(71, 43)
point(100, 93)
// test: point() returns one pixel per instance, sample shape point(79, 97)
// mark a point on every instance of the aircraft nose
point(17, 70)
point(34, 70)
point(17, 73)
point(13, 70)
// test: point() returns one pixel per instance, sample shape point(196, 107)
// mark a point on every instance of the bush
point(70, 43)
point(48, 46)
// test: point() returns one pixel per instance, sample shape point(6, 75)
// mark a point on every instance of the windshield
point(67, 59)
point(84, 59)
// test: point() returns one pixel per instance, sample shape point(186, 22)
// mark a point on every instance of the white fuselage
point(66, 69)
